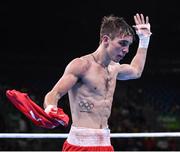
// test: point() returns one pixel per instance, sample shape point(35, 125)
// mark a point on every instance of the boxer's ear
point(105, 40)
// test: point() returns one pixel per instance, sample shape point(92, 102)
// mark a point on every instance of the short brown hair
point(114, 26)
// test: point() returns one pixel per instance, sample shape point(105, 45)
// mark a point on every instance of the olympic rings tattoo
point(85, 106)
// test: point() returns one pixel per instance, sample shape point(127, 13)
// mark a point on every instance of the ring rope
point(112, 135)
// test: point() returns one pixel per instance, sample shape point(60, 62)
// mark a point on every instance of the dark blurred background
point(39, 38)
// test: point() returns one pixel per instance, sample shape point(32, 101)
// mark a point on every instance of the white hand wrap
point(49, 107)
point(144, 42)
point(143, 32)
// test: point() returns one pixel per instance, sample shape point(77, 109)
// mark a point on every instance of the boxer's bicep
point(74, 70)
point(66, 82)
point(60, 89)
point(126, 72)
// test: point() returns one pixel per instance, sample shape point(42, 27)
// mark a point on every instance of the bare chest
point(101, 80)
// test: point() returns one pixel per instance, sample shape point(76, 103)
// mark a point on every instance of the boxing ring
point(40, 112)
point(113, 135)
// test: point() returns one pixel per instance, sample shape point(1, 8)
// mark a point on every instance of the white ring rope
point(113, 135)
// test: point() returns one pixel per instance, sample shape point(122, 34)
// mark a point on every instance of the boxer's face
point(119, 47)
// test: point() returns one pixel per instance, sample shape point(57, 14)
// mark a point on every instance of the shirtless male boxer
point(90, 81)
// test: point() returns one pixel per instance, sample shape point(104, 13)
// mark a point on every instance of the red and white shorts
point(86, 139)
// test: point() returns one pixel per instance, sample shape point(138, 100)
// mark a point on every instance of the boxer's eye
point(124, 43)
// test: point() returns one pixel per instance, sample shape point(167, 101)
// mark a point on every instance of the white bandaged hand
point(143, 30)
point(50, 108)
point(57, 114)
point(144, 33)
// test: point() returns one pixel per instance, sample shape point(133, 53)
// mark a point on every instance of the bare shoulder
point(114, 65)
point(78, 66)
point(117, 67)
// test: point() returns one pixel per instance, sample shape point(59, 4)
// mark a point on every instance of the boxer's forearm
point(143, 31)
point(52, 99)
point(138, 61)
